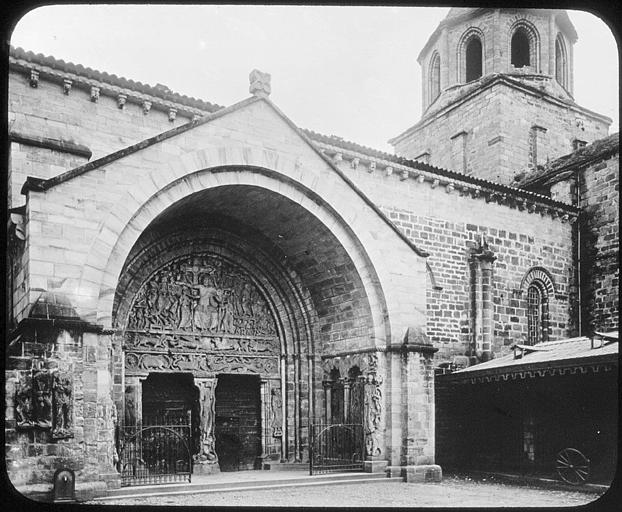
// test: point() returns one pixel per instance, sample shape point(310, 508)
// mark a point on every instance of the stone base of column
point(375, 466)
point(422, 473)
point(207, 468)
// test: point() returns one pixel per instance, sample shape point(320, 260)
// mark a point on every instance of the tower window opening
point(473, 59)
point(561, 73)
point(520, 49)
point(435, 78)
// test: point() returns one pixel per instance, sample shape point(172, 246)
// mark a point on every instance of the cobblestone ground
point(452, 492)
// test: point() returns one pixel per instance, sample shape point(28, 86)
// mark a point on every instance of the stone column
point(327, 401)
point(206, 460)
point(416, 410)
point(484, 258)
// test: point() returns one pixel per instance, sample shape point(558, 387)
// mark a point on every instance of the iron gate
point(155, 454)
point(335, 448)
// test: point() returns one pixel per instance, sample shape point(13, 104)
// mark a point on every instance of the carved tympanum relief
point(203, 315)
point(201, 293)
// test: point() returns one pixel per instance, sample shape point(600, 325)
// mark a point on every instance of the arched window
point(473, 58)
point(535, 314)
point(520, 51)
point(434, 85)
point(540, 288)
point(561, 63)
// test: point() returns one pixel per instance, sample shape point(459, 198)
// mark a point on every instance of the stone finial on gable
point(259, 83)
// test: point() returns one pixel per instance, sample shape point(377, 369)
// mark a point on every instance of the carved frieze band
point(367, 363)
point(199, 363)
point(171, 341)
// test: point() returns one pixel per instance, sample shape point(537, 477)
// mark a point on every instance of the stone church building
point(172, 259)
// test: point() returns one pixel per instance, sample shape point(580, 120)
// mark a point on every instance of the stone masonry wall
point(449, 226)
point(101, 126)
point(32, 453)
point(600, 245)
point(497, 122)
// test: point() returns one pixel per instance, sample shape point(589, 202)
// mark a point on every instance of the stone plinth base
point(285, 466)
point(422, 473)
point(206, 469)
point(375, 466)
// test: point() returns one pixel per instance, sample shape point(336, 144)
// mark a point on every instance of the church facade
point(170, 257)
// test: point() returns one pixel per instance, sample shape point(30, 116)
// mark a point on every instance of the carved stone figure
point(207, 441)
point(372, 415)
point(206, 312)
point(23, 403)
point(42, 387)
point(130, 406)
point(63, 394)
point(276, 405)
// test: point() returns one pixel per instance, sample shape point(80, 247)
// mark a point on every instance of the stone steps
point(269, 482)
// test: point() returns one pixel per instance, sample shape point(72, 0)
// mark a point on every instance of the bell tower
point(497, 94)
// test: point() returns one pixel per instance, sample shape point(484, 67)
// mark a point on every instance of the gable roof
point(557, 170)
point(37, 184)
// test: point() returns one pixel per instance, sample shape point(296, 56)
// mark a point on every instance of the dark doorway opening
point(238, 422)
point(168, 398)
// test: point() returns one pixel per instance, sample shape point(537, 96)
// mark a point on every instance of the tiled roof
point(158, 90)
point(567, 352)
point(554, 171)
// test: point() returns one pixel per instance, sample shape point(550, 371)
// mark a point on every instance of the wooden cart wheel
point(572, 466)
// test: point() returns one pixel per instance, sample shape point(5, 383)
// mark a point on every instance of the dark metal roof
point(571, 352)
point(555, 170)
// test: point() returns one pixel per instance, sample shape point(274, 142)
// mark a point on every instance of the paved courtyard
point(452, 492)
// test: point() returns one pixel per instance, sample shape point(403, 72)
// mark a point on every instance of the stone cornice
point(61, 145)
point(68, 80)
point(485, 84)
point(463, 185)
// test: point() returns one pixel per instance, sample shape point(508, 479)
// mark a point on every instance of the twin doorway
point(173, 397)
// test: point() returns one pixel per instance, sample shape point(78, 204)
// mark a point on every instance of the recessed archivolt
point(285, 294)
point(541, 276)
point(103, 277)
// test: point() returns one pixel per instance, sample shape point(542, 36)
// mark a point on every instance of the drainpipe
point(578, 224)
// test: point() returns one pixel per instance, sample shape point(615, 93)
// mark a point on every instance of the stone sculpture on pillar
point(42, 386)
point(372, 414)
point(277, 412)
point(63, 394)
point(206, 454)
point(23, 403)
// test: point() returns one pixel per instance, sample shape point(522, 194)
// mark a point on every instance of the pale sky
point(339, 70)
